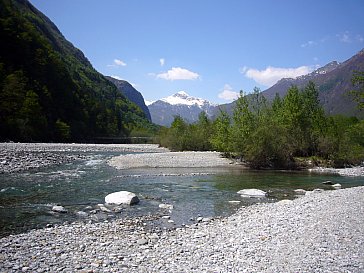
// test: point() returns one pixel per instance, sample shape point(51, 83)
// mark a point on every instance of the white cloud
point(119, 62)
point(162, 61)
point(148, 102)
point(243, 69)
point(360, 38)
point(308, 44)
point(271, 75)
point(121, 79)
point(228, 93)
point(178, 73)
point(116, 77)
point(344, 37)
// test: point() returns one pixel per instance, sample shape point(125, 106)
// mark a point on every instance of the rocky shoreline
point(320, 232)
point(354, 171)
point(15, 157)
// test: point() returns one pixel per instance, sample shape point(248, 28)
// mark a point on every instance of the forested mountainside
point(132, 94)
point(49, 91)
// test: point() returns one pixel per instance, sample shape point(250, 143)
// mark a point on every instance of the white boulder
point(285, 202)
point(252, 193)
point(300, 192)
point(336, 186)
point(122, 197)
point(59, 209)
point(166, 206)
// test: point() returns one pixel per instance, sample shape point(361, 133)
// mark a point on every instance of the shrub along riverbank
point(274, 134)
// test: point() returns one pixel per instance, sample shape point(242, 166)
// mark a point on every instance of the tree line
point(283, 133)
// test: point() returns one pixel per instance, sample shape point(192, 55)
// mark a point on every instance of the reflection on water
point(26, 198)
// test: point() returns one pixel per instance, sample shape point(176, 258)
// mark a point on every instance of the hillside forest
point(289, 132)
point(49, 91)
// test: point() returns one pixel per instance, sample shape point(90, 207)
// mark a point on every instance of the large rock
point(59, 209)
point(252, 193)
point(122, 197)
point(166, 206)
point(336, 186)
point(300, 192)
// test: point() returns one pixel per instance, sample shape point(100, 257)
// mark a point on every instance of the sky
point(210, 49)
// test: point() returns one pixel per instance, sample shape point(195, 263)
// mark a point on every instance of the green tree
point(178, 134)
point(243, 124)
point(63, 132)
point(33, 122)
point(358, 82)
point(220, 138)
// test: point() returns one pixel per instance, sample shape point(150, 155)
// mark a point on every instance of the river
point(27, 198)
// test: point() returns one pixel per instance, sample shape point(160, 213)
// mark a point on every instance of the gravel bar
point(354, 171)
point(319, 232)
point(15, 157)
point(170, 160)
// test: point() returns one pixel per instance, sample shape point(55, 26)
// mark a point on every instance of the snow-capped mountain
point(164, 110)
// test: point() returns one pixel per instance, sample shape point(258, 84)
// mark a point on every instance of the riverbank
point(16, 157)
point(320, 232)
point(354, 171)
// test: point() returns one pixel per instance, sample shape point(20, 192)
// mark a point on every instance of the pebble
point(320, 232)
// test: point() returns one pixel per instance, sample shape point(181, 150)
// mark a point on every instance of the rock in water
point(336, 186)
point(59, 209)
point(252, 193)
point(122, 197)
point(165, 206)
point(300, 192)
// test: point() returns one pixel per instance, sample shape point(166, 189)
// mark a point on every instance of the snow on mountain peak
point(181, 94)
point(183, 98)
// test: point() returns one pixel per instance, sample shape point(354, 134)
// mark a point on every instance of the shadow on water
point(26, 198)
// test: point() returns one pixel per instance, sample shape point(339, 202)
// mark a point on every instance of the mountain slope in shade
point(180, 104)
point(132, 94)
point(333, 82)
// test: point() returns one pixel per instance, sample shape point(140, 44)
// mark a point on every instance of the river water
point(26, 198)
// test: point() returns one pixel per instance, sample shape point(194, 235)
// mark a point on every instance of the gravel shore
point(354, 171)
point(170, 160)
point(319, 232)
point(15, 157)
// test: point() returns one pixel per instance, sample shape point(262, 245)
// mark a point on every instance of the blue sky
point(208, 48)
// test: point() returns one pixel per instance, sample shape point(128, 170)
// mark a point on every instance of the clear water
point(26, 198)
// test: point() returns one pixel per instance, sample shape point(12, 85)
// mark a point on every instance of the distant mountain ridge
point(131, 94)
point(164, 110)
point(333, 82)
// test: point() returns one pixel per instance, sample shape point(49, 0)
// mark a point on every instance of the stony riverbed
point(320, 232)
point(15, 157)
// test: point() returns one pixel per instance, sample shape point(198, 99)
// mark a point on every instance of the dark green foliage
point(48, 89)
point(274, 135)
point(182, 136)
point(221, 134)
point(358, 82)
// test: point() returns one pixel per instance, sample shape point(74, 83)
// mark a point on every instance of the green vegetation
point(274, 135)
point(358, 81)
point(49, 91)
